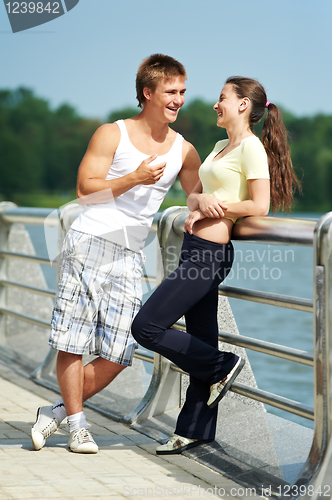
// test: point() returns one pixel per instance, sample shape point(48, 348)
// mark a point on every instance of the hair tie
point(267, 104)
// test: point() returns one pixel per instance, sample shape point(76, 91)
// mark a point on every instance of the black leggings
point(191, 290)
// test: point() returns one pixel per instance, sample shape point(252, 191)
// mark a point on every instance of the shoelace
point(84, 436)
point(49, 429)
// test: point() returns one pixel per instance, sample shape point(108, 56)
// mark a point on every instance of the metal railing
point(318, 468)
point(264, 230)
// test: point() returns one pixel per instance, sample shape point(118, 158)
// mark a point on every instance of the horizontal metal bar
point(34, 258)
point(30, 215)
point(40, 291)
point(24, 317)
point(144, 356)
point(267, 398)
point(279, 351)
point(273, 400)
point(272, 299)
point(280, 230)
point(149, 278)
point(37, 216)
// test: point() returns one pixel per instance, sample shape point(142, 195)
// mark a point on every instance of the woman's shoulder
point(252, 143)
point(251, 148)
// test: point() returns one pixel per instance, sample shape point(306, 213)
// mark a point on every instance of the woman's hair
point(152, 70)
point(274, 138)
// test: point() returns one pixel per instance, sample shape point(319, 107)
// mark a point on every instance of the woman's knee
point(140, 330)
point(143, 331)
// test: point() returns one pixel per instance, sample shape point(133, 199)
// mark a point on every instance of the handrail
point(28, 288)
point(287, 231)
point(272, 299)
point(34, 258)
point(272, 230)
point(277, 350)
point(11, 214)
point(305, 233)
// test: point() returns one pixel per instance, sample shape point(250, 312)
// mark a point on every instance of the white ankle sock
point(77, 421)
point(59, 410)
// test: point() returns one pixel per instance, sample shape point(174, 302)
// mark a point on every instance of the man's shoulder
point(188, 147)
point(107, 132)
point(106, 139)
point(190, 157)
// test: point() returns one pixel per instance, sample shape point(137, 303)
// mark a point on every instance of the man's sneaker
point(177, 444)
point(218, 390)
point(46, 424)
point(81, 441)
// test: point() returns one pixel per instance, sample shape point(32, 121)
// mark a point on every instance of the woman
point(238, 179)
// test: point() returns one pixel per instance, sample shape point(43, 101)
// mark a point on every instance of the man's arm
point(92, 186)
point(191, 162)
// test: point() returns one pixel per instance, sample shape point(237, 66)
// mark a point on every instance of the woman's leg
point(206, 266)
point(196, 420)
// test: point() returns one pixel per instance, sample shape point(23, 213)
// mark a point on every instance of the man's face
point(168, 97)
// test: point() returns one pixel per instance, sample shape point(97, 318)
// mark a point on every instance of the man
point(122, 180)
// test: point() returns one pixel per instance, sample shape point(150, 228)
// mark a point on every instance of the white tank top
point(127, 219)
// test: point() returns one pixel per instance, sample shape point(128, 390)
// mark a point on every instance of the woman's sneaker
point(46, 425)
point(81, 441)
point(218, 390)
point(177, 444)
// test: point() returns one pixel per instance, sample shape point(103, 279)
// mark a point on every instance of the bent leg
point(70, 379)
point(177, 294)
point(98, 374)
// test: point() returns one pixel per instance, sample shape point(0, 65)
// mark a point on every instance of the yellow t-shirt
point(226, 179)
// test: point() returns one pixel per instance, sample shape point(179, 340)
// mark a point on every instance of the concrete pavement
point(125, 467)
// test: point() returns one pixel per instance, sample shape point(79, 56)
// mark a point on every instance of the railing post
point(4, 233)
point(317, 472)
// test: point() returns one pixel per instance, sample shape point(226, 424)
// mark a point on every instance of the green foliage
point(41, 149)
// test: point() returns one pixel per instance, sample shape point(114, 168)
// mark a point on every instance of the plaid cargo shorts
point(99, 293)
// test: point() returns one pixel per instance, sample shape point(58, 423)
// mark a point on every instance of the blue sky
point(89, 56)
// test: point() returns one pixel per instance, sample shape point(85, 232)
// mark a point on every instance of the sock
point(59, 410)
point(77, 421)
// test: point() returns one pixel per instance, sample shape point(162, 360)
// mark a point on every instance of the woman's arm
point(259, 203)
point(205, 203)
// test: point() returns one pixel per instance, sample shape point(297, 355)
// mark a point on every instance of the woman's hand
point(210, 206)
point(191, 219)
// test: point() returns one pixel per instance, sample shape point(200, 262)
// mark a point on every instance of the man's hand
point(149, 174)
point(191, 219)
point(211, 206)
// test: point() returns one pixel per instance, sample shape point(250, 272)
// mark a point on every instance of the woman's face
point(228, 106)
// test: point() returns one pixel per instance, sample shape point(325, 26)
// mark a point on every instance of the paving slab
point(126, 465)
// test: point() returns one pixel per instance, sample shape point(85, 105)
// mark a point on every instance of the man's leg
point(70, 375)
point(78, 383)
point(98, 374)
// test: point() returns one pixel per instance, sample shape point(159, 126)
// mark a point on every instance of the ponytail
point(283, 179)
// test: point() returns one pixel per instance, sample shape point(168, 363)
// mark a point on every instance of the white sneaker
point(46, 425)
point(177, 444)
point(219, 390)
point(81, 441)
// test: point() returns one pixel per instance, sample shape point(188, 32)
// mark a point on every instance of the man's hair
point(152, 70)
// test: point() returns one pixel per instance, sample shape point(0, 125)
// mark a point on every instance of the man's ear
point(147, 93)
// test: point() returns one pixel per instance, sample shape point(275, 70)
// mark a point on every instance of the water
point(286, 270)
